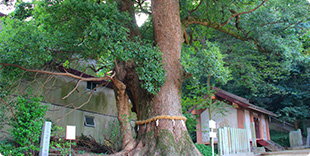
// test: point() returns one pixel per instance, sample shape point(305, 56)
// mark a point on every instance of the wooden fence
point(233, 141)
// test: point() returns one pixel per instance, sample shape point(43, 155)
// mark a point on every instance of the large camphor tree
point(145, 64)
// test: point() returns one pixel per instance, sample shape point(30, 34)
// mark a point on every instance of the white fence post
point(233, 141)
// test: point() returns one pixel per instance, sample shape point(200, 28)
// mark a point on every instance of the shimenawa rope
point(168, 117)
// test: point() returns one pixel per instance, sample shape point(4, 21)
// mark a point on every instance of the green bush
point(9, 149)
point(282, 138)
point(191, 123)
point(63, 146)
point(26, 126)
point(205, 150)
point(113, 136)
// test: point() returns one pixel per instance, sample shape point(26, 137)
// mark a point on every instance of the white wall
point(229, 119)
point(103, 123)
point(264, 126)
point(101, 106)
point(247, 122)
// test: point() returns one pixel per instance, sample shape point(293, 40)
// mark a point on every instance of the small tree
point(204, 62)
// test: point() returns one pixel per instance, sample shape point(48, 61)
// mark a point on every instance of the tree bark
point(166, 138)
point(123, 108)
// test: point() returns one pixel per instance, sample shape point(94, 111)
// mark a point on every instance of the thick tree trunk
point(169, 137)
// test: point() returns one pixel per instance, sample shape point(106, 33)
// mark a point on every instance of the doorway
point(257, 131)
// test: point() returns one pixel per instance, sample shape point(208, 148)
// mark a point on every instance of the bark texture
point(167, 138)
point(123, 107)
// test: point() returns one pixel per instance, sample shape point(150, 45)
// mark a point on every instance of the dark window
point(91, 85)
point(89, 121)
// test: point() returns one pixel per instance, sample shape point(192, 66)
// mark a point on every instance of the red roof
point(242, 102)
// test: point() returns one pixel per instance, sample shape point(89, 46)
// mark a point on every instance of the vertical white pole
point(212, 143)
point(70, 148)
point(45, 139)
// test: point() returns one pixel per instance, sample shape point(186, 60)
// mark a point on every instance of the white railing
point(233, 141)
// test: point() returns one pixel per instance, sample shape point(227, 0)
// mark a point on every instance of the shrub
point(191, 123)
point(26, 126)
point(282, 138)
point(205, 150)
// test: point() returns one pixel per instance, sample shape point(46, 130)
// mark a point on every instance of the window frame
point(89, 124)
point(90, 85)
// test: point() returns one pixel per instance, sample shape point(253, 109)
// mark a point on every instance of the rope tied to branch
point(156, 118)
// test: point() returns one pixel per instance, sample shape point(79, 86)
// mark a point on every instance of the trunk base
point(163, 143)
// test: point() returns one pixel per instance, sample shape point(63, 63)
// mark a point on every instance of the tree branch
point(11, 109)
point(57, 73)
point(77, 84)
point(106, 75)
point(196, 7)
point(218, 27)
point(185, 36)
point(43, 84)
point(75, 108)
point(241, 13)
point(213, 25)
point(141, 7)
point(292, 24)
point(82, 73)
point(278, 21)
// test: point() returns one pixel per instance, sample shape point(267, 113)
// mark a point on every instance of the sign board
point(45, 138)
point(212, 135)
point(212, 124)
point(70, 132)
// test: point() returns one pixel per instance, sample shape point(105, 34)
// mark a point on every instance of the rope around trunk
point(142, 122)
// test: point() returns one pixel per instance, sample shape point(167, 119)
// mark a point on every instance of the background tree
point(265, 49)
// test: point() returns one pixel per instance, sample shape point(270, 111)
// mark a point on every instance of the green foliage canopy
point(266, 47)
point(68, 30)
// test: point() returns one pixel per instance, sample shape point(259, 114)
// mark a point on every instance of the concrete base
point(298, 148)
point(303, 152)
point(258, 150)
point(240, 154)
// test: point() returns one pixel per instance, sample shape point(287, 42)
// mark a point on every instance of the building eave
point(242, 102)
